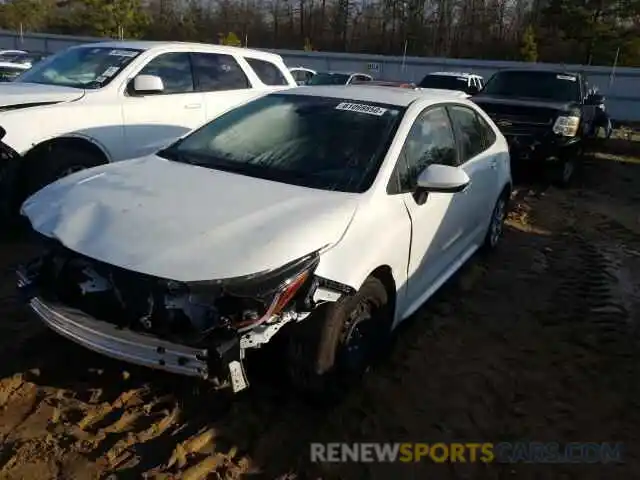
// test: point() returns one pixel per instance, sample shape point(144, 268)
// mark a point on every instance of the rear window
point(316, 142)
point(444, 82)
point(534, 84)
point(267, 72)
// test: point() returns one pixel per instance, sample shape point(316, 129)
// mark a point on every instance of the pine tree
point(529, 46)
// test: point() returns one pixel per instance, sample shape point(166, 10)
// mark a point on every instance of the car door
point(223, 82)
point(152, 121)
point(479, 160)
point(435, 217)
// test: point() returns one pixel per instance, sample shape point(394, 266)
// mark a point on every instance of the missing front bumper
point(223, 359)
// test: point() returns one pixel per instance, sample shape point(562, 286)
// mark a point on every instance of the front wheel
point(55, 163)
point(333, 348)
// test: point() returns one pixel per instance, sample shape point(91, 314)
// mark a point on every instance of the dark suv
point(547, 116)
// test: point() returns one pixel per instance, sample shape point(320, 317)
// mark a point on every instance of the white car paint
point(183, 222)
point(120, 125)
point(24, 93)
point(131, 215)
point(17, 66)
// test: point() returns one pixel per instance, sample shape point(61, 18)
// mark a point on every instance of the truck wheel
point(564, 172)
point(333, 348)
point(55, 163)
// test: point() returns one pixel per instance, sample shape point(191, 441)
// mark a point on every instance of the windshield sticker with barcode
point(361, 108)
point(571, 78)
point(110, 72)
point(123, 53)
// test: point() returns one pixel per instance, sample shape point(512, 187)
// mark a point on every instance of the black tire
point(563, 172)
point(496, 223)
point(322, 361)
point(57, 162)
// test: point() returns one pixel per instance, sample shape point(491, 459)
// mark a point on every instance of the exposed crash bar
point(121, 344)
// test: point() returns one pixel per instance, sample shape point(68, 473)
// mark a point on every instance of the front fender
point(101, 125)
point(379, 235)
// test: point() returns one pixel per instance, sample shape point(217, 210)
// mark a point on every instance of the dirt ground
point(537, 342)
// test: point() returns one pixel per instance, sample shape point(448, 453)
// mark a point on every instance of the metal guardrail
point(623, 93)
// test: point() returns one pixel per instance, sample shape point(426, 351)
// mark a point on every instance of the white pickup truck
point(103, 102)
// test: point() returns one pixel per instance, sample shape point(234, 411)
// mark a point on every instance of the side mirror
point(3, 132)
point(473, 89)
point(147, 84)
point(443, 179)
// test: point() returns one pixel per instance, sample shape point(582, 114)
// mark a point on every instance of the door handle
point(193, 106)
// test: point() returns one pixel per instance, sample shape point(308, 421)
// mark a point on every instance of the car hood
point(18, 93)
point(187, 223)
point(525, 103)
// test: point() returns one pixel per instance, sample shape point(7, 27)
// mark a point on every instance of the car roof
point(454, 74)
point(541, 70)
point(401, 97)
point(146, 45)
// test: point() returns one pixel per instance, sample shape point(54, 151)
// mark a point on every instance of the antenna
point(404, 55)
point(613, 68)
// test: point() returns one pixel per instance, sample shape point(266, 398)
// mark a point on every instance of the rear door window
point(267, 72)
point(216, 72)
point(470, 133)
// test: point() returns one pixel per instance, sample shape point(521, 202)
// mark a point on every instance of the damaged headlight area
point(198, 328)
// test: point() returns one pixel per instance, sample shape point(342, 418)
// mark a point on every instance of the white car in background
point(467, 83)
point(8, 53)
point(14, 64)
point(332, 211)
point(103, 102)
point(9, 71)
point(302, 74)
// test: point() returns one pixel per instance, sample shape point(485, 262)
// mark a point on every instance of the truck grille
point(517, 125)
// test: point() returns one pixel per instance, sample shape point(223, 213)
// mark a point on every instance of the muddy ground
point(539, 342)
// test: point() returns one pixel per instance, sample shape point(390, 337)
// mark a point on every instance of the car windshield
point(536, 85)
point(311, 141)
point(444, 82)
point(81, 67)
point(329, 79)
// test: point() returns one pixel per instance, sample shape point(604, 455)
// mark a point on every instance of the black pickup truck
point(546, 116)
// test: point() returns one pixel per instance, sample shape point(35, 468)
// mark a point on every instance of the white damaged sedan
point(334, 211)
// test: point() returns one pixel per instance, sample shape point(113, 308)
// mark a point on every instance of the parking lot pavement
point(538, 342)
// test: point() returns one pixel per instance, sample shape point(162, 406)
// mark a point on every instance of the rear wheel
point(333, 348)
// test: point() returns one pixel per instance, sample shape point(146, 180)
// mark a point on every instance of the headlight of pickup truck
point(567, 126)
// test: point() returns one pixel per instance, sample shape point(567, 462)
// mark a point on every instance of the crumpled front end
point(200, 329)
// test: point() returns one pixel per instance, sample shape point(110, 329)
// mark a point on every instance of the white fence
point(621, 89)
